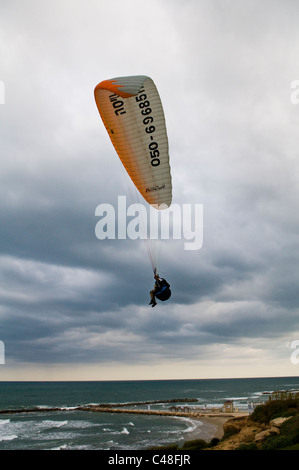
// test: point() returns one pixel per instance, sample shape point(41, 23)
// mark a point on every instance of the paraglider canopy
point(132, 113)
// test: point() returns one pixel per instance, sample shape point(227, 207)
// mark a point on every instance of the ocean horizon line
point(149, 380)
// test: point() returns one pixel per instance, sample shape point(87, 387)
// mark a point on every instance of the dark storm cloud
point(68, 297)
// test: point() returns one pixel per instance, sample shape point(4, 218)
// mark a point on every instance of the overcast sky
point(73, 307)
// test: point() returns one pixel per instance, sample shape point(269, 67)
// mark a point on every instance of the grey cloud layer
point(224, 73)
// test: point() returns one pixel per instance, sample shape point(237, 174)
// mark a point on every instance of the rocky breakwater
point(109, 409)
point(151, 402)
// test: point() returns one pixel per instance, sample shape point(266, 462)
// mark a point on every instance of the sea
point(67, 428)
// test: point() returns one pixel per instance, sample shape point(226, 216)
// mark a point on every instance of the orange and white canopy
point(132, 113)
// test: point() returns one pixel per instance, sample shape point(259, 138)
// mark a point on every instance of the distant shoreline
point(217, 419)
point(114, 409)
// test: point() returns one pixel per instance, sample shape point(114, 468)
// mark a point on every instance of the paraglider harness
point(162, 289)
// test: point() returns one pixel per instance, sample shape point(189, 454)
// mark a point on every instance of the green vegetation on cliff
point(286, 437)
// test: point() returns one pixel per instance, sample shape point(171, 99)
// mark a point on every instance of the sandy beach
point(217, 422)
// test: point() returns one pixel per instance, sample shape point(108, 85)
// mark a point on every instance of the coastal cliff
point(272, 426)
point(244, 432)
